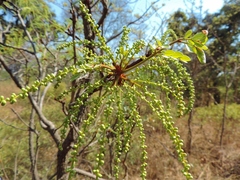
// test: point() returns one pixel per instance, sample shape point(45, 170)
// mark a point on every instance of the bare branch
point(16, 162)
point(45, 90)
point(31, 41)
point(25, 30)
point(14, 78)
point(33, 150)
point(17, 48)
point(168, 151)
point(85, 173)
point(132, 22)
point(104, 13)
point(12, 126)
point(19, 117)
point(45, 123)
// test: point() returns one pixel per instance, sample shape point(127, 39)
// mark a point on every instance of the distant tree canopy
point(224, 35)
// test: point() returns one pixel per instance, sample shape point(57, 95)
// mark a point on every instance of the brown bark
point(62, 156)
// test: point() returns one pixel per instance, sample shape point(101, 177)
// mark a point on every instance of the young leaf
point(177, 55)
point(191, 46)
point(159, 43)
point(200, 37)
point(201, 55)
point(188, 34)
point(204, 48)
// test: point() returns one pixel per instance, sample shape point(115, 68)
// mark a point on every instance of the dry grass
point(209, 161)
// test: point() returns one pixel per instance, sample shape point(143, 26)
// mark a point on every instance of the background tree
point(28, 37)
point(224, 54)
point(221, 70)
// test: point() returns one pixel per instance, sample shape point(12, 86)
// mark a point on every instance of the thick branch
point(104, 13)
point(46, 124)
point(88, 31)
point(14, 78)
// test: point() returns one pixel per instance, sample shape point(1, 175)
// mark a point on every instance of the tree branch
point(16, 162)
point(85, 173)
point(33, 150)
point(17, 48)
point(12, 125)
point(19, 117)
point(132, 22)
point(32, 43)
point(14, 78)
point(104, 13)
point(45, 123)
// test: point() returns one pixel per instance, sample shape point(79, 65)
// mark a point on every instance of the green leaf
point(159, 43)
point(177, 55)
point(198, 44)
point(188, 34)
point(191, 47)
point(204, 47)
point(201, 55)
point(200, 38)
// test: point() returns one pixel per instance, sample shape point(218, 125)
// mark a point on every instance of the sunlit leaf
point(199, 45)
point(159, 43)
point(190, 47)
point(177, 55)
point(200, 37)
point(204, 47)
point(201, 55)
point(188, 34)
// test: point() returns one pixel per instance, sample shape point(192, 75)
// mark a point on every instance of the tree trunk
point(62, 159)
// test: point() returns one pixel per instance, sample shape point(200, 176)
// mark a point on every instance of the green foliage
point(177, 55)
point(121, 80)
point(225, 27)
point(196, 44)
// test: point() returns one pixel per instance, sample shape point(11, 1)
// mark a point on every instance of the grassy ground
point(209, 161)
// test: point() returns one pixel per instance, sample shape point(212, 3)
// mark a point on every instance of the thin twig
point(87, 145)
point(85, 173)
point(16, 162)
point(132, 22)
point(168, 151)
point(19, 117)
point(17, 48)
point(12, 125)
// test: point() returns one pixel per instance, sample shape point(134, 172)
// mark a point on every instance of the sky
point(170, 6)
point(173, 5)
